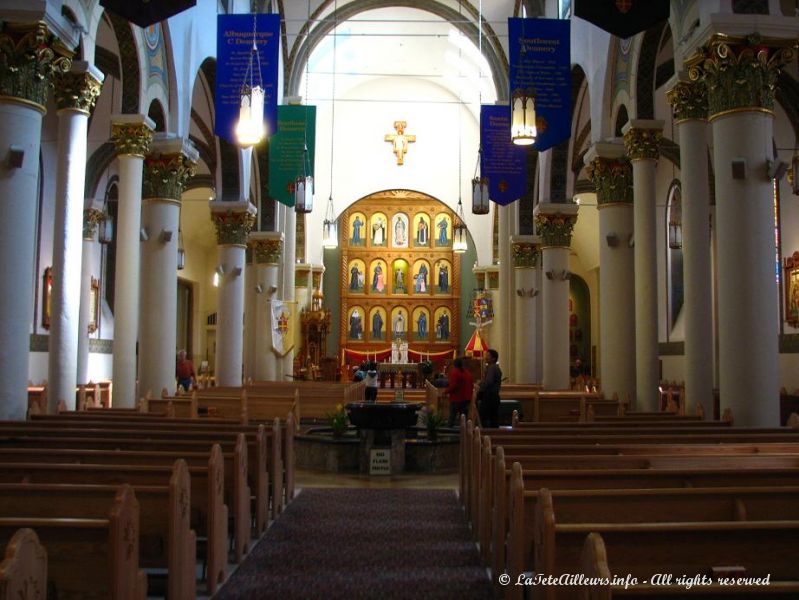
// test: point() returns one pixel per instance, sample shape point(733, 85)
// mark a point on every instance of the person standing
point(460, 387)
point(372, 381)
point(488, 394)
point(184, 371)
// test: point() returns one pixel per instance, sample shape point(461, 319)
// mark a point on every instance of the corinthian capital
point(740, 72)
point(554, 223)
point(29, 58)
point(132, 134)
point(92, 217)
point(233, 221)
point(642, 139)
point(79, 88)
point(688, 100)
point(267, 247)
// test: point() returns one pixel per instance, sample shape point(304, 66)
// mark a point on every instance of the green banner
point(296, 125)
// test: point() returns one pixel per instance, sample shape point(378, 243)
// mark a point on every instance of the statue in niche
point(399, 281)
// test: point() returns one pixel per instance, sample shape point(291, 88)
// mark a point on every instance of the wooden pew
point(24, 567)
point(166, 539)
point(90, 558)
point(209, 513)
point(595, 564)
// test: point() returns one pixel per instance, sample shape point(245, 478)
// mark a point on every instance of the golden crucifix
point(400, 140)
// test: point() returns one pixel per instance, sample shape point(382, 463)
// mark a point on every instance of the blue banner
point(503, 162)
point(297, 127)
point(233, 48)
point(540, 61)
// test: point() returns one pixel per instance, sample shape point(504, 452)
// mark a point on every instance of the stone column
point(267, 248)
point(249, 313)
point(75, 95)
point(526, 255)
point(92, 217)
point(642, 139)
point(611, 173)
point(741, 75)
point(289, 276)
point(503, 322)
point(689, 101)
point(166, 171)
point(554, 224)
point(132, 135)
point(233, 221)
point(30, 56)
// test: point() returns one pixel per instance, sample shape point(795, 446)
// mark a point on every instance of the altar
point(400, 374)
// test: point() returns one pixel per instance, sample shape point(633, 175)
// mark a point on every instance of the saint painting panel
point(356, 319)
point(377, 322)
point(442, 230)
point(357, 277)
point(399, 231)
point(357, 229)
point(421, 277)
point(442, 326)
point(378, 273)
point(400, 276)
point(378, 225)
point(443, 275)
point(399, 323)
point(421, 324)
point(421, 229)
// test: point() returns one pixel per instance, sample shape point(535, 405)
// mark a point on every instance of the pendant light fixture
point(522, 130)
point(250, 128)
point(459, 225)
point(329, 227)
point(479, 184)
point(303, 185)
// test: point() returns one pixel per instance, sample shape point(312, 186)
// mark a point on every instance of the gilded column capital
point(688, 100)
point(555, 229)
point(30, 56)
point(165, 175)
point(233, 223)
point(132, 135)
point(525, 254)
point(642, 143)
point(92, 217)
point(79, 88)
point(266, 251)
point(612, 178)
point(740, 72)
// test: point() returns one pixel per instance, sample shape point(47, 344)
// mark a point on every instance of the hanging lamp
point(304, 185)
point(522, 130)
point(250, 129)
point(330, 226)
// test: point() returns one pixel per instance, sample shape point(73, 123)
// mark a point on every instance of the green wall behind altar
point(332, 278)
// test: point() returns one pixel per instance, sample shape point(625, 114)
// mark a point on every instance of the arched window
point(674, 257)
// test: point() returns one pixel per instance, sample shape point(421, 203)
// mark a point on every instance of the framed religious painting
point(377, 324)
point(442, 230)
point(378, 229)
point(421, 277)
point(443, 277)
point(355, 328)
point(378, 273)
point(47, 294)
point(791, 281)
point(421, 230)
point(399, 276)
point(94, 305)
point(442, 319)
point(399, 231)
point(421, 324)
point(399, 323)
point(356, 231)
point(357, 276)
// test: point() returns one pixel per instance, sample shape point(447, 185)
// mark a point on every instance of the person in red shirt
point(460, 389)
point(184, 371)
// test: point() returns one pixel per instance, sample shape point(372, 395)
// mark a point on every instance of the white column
point(286, 369)
point(166, 171)
point(690, 110)
point(642, 140)
point(503, 317)
point(554, 224)
point(132, 135)
point(267, 247)
point(92, 217)
point(526, 256)
point(21, 113)
point(250, 281)
point(75, 96)
point(612, 176)
point(233, 221)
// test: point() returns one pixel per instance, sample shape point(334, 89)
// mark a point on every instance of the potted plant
point(338, 421)
point(432, 420)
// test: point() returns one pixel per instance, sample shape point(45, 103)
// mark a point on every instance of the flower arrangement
point(432, 420)
point(338, 421)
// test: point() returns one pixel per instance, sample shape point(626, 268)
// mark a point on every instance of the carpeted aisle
point(363, 544)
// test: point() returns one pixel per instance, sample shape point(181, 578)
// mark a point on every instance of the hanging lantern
point(480, 196)
point(303, 194)
point(459, 244)
point(250, 129)
point(329, 227)
point(181, 252)
point(522, 130)
point(675, 235)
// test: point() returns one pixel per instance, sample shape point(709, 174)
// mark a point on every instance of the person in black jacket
point(488, 394)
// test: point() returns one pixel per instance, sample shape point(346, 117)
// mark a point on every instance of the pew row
point(24, 566)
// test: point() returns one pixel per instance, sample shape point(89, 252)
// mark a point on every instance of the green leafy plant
point(432, 420)
point(338, 421)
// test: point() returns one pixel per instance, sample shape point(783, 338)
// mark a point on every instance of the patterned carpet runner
point(363, 544)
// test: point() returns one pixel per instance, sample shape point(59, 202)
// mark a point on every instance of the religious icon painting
point(357, 276)
point(399, 231)
point(421, 277)
point(443, 277)
point(442, 324)
point(442, 230)
point(356, 320)
point(421, 230)
point(792, 289)
point(377, 277)
point(420, 322)
point(357, 229)
point(400, 276)
point(399, 323)
point(378, 229)
point(377, 324)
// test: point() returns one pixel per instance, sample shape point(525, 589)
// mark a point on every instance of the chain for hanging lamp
point(304, 184)
point(250, 129)
point(329, 226)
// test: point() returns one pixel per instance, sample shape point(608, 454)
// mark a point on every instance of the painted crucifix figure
point(400, 140)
